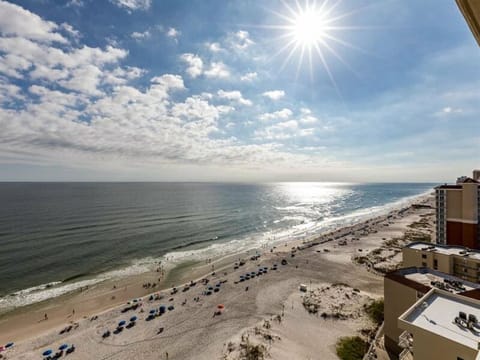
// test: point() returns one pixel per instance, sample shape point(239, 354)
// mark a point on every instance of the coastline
point(26, 322)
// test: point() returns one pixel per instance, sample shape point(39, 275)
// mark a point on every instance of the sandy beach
point(267, 309)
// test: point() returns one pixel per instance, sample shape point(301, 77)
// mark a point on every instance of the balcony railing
point(406, 354)
point(405, 340)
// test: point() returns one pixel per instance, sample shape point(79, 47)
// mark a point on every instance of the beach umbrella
point(133, 318)
point(10, 344)
point(153, 311)
point(121, 323)
point(47, 352)
point(162, 309)
point(220, 306)
point(63, 347)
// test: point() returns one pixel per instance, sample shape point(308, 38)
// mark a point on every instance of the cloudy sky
point(208, 90)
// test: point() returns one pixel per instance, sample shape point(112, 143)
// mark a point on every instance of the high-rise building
point(458, 212)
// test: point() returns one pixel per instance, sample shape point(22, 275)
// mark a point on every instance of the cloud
point(240, 40)
point(195, 64)
point(173, 33)
point(249, 76)
point(214, 47)
point(16, 21)
point(75, 3)
point(217, 70)
point(276, 115)
point(274, 94)
point(133, 4)
point(234, 96)
point(141, 35)
point(283, 131)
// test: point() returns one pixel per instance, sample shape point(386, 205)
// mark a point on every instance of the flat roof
point(423, 279)
point(445, 249)
point(436, 312)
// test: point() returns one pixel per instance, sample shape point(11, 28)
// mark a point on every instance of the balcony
point(405, 340)
point(406, 354)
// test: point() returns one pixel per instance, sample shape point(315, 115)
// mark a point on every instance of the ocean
point(57, 237)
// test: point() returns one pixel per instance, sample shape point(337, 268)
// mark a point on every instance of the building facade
point(403, 288)
point(458, 261)
point(458, 212)
point(434, 328)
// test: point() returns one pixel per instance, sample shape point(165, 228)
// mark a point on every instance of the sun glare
point(309, 28)
point(310, 32)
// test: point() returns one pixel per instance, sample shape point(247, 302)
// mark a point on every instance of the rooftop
point(423, 279)
point(436, 312)
point(445, 249)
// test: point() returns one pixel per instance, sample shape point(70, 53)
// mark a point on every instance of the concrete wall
point(454, 204)
point(397, 299)
point(429, 346)
point(417, 258)
point(470, 202)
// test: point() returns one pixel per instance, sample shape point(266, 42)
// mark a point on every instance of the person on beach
point(46, 316)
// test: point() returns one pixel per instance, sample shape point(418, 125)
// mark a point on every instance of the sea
point(57, 237)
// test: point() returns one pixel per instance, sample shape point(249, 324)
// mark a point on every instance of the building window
point(435, 264)
point(465, 270)
point(424, 256)
point(424, 264)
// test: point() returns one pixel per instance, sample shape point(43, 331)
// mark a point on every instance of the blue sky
point(134, 90)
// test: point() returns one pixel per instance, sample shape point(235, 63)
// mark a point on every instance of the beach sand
point(193, 331)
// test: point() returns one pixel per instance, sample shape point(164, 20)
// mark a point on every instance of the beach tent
point(162, 309)
point(63, 347)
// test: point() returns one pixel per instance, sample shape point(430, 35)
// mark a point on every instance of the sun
point(309, 27)
point(310, 32)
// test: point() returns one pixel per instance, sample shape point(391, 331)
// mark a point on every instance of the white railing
point(405, 340)
point(406, 354)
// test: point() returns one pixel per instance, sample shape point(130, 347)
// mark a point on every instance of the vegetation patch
point(351, 348)
point(375, 311)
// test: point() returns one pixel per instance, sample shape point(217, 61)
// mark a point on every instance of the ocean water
point(56, 237)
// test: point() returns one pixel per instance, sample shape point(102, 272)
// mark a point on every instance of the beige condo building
point(458, 212)
point(403, 289)
point(458, 261)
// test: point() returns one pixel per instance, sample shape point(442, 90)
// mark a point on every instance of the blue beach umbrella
point(63, 347)
point(153, 311)
point(121, 323)
point(133, 318)
point(10, 344)
point(47, 352)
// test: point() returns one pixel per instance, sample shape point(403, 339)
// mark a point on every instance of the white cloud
point(141, 35)
point(173, 33)
point(214, 47)
point(133, 4)
point(195, 64)
point(249, 76)
point(274, 94)
point(276, 115)
point(240, 40)
point(282, 131)
point(16, 21)
point(448, 111)
point(217, 70)
point(234, 96)
point(75, 3)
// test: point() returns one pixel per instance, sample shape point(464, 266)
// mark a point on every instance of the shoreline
point(98, 299)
